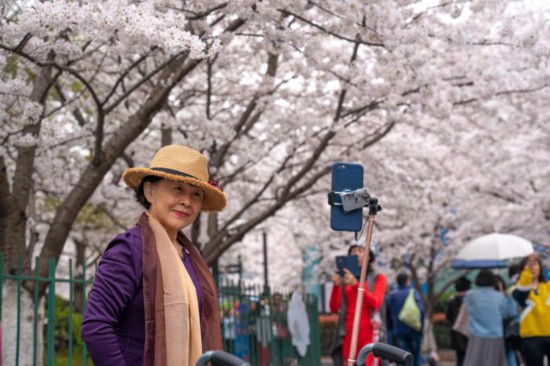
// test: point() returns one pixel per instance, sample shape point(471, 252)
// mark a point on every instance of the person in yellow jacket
point(533, 295)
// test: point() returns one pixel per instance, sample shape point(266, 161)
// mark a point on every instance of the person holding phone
point(533, 295)
point(154, 300)
point(372, 301)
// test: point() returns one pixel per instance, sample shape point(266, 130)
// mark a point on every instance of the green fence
point(52, 355)
point(254, 324)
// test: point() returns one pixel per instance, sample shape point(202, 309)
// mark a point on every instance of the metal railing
point(254, 325)
point(254, 320)
point(19, 278)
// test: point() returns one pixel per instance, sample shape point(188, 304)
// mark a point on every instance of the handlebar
point(220, 358)
point(386, 352)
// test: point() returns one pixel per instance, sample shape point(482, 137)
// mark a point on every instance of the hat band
point(174, 172)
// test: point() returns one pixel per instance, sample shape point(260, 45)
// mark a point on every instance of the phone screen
point(350, 262)
point(346, 177)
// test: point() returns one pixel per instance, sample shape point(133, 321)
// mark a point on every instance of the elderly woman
point(154, 300)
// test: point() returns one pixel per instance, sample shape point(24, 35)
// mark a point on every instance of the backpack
point(410, 312)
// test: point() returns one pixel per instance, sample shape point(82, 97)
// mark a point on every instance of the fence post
point(51, 311)
point(1, 287)
point(1, 296)
point(18, 336)
point(35, 322)
point(313, 356)
point(84, 285)
point(71, 296)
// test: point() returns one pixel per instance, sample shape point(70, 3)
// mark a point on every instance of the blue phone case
point(346, 177)
point(351, 262)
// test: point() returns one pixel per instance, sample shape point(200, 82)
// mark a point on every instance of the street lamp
point(266, 277)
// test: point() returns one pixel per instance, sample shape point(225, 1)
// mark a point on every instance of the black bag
point(512, 339)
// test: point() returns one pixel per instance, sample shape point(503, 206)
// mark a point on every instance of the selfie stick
point(374, 207)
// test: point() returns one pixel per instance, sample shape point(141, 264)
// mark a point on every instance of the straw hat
point(180, 163)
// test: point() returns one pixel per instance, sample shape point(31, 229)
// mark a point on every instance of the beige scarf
point(176, 323)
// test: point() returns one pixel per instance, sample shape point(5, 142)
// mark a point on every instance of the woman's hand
point(336, 279)
point(349, 278)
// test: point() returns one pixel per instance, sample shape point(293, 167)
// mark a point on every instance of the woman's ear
point(148, 191)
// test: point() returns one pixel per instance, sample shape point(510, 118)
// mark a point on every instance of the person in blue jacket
point(487, 309)
point(404, 336)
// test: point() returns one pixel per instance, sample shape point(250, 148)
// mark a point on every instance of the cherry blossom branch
point(100, 111)
point(247, 119)
point(145, 79)
point(254, 199)
point(363, 109)
point(208, 87)
point(112, 217)
point(125, 73)
point(419, 15)
point(225, 238)
point(505, 92)
point(522, 91)
point(64, 104)
point(323, 29)
point(343, 92)
point(199, 15)
point(239, 172)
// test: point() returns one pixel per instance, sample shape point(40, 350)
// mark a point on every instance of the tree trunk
point(4, 201)
point(11, 312)
point(13, 243)
point(166, 136)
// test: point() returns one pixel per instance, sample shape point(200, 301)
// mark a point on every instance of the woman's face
point(359, 252)
point(174, 204)
point(534, 265)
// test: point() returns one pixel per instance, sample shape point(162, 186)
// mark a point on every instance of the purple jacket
point(114, 322)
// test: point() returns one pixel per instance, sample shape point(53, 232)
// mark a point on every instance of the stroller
point(381, 350)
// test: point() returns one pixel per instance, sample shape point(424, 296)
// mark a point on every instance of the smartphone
point(351, 262)
point(346, 177)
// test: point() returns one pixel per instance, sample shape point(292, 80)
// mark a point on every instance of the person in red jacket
point(372, 301)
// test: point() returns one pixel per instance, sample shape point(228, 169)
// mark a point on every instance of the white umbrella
point(491, 251)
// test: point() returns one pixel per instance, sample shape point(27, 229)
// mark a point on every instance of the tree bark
point(4, 202)
point(13, 244)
